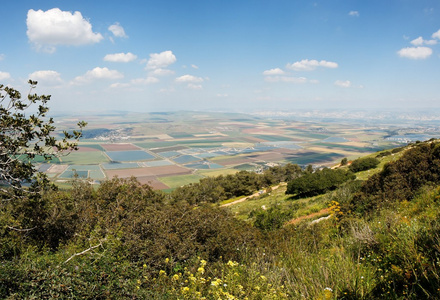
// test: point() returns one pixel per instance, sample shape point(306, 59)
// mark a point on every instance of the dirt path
point(297, 220)
point(253, 195)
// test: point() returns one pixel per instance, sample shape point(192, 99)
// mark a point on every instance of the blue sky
point(224, 55)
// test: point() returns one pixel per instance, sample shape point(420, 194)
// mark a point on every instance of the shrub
point(363, 164)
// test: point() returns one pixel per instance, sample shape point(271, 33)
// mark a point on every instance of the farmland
point(181, 147)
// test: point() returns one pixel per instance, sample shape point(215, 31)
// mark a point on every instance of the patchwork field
point(182, 147)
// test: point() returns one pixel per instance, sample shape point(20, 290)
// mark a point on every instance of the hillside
point(373, 237)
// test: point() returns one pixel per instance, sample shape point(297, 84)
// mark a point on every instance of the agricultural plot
point(155, 163)
point(204, 165)
point(185, 159)
point(90, 171)
point(124, 156)
point(193, 145)
point(177, 181)
point(84, 158)
point(119, 166)
point(119, 147)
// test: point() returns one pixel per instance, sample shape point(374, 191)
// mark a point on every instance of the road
point(253, 195)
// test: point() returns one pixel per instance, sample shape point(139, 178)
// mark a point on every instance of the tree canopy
point(24, 138)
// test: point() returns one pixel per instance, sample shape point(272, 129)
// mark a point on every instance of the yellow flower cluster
point(235, 282)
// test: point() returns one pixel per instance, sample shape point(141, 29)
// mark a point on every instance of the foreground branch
point(85, 251)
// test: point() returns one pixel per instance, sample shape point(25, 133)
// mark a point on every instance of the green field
point(177, 181)
point(84, 158)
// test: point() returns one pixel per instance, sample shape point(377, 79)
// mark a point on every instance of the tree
point(344, 161)
point(363, 164)
point(23, 139)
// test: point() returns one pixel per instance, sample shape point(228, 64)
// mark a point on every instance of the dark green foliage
point(243, 183)
point(383, 154)
point(319, 182)
point(400, 180)
point(363, 164)
point(344, 161)
point(270, 219)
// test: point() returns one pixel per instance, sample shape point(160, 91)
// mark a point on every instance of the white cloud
point(4, 75)
point(195, 86)
point(46, 77)
point(415, 52)
point(189, 78)
point(120, 57)
point(162, 72)
point(194, 67)
point(147, 80)
point(117, 30)
point(436, 35)
point(98, 73)
point(420, 41)
point(47, 29)
point(161, 60)
point(286, 79)
point(353, 13)
point(310, 65)
point(344, 84)
point(2, 56)
point(276, 71)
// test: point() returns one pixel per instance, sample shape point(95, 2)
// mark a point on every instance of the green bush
point(363, 164)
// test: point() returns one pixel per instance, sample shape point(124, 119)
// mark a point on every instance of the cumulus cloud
point(46, 77)
point(189, 78)
point(276, 71)
point(161, 72)
point(344, 84)
point(310, 65)
point(353, 13)
point(436, 35)
point(415, 52)
point(98, 73)
point(117, 30)
point(120, 57)
point(2, 56)
point(161, 60)
point(286, 79)
point(47, 29)
point(194, 66)
point(4, 75)
point(420, 41)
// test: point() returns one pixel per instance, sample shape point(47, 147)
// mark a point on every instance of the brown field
point(119, 147)
point(153, 182)
point(87, 149)
point(149, 171)
point(269, 156)
point(56, 169)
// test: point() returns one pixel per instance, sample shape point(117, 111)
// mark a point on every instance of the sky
point(238, 56)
